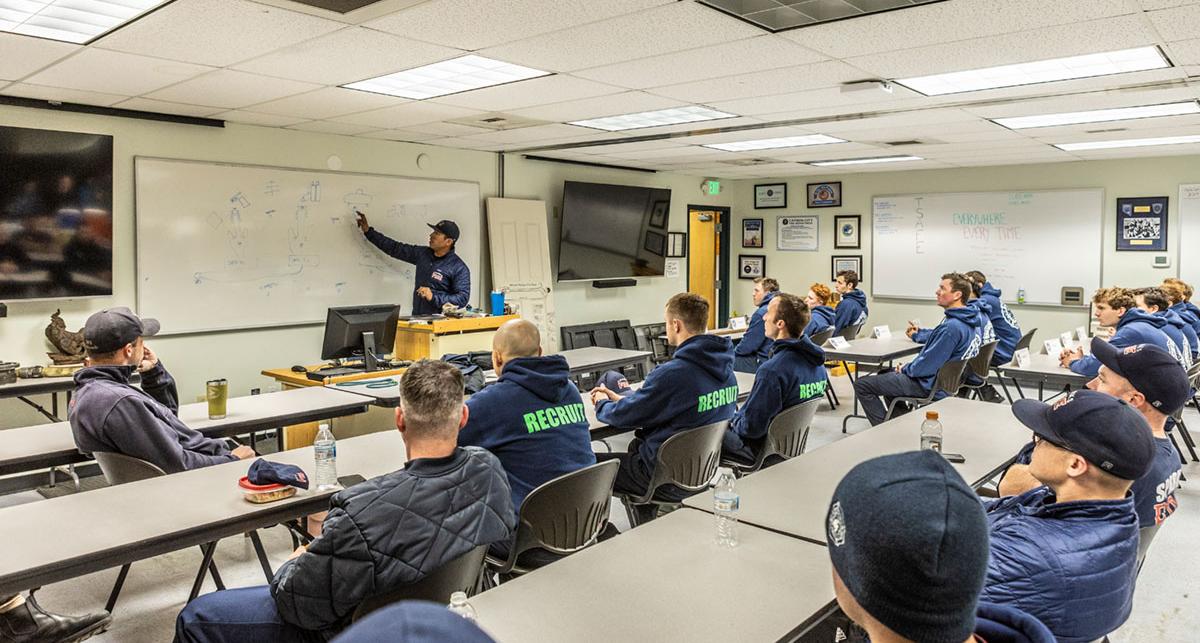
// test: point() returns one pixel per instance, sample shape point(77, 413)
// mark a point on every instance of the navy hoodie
point(1135, 327)
point(959, 336)
point(1181, 335)
point(532, 419)
point(794, 374)
point(851, 310)
point(447, 276)
point(108, 414)
point(822, 318)
point(1192, 320)
point(695, 388)
point(1007, 329)
point(755, 342)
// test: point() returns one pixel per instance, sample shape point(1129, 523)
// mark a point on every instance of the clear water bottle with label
point(325, 453)
point(931, 432)
point(725, 506)
point(459, 605)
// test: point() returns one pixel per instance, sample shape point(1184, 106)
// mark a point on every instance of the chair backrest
point(1145, 536)
point(788, 433)
point(119, 468)
point(578, 340)
point(950, 376)
point(688, 459)
point(820, 338)
point(850, 332)
point(1025, 340)
point(627, 338)
point(567, 513)
point(981, 364)
point(458, 575)
point(605, 337)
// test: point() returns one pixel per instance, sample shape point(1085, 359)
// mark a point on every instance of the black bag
point(473, 379)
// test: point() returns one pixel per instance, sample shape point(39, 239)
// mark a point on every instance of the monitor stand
point(369, 360)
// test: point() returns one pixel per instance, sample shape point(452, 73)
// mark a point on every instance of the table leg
point(53, 417)
point(853, 379)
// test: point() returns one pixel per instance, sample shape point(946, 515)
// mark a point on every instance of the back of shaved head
point(517, 338)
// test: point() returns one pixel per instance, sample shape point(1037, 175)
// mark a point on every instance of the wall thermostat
point(1162, 261)
point(1072, 296)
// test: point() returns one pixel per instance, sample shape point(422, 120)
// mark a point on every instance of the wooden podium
point(433, 338)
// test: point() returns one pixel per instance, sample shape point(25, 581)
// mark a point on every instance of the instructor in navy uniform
point(442, 277)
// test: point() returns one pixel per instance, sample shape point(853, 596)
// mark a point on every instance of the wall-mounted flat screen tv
point(612, 231)
point(56, 232)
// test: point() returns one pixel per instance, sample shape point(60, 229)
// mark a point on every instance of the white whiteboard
point(1039, 241)
point(223, 246)
point(1189, 231)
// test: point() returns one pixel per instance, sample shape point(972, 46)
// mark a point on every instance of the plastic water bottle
point(931, 432)
point(1020, 295)
point(725, 506)
point(459, 605)
point(325, 453)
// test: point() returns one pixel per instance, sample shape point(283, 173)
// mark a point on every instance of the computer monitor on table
point(360, 330)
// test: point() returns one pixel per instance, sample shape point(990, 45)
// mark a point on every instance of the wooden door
point(520, 245)
point(703, 255)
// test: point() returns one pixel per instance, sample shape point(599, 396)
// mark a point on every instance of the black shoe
point(30, 623)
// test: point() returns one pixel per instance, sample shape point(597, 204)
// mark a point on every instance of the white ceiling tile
point(743, 135)
point(327, 102)
point(899, 121)
point(531, 134)
point(639, 146)
point(1152, 5)
point(164, 107)
point(401, 135)
point(1178, 23)
point(408, 114)
point(103, 71)
point(947, 21)
point(330, 127)
point(688, 154)
point(23, 55)
point(527, 93)
point(448, 130)
point(726, 59)
point(828, 98)
point(1095, 36)
point(346, 56)
point(611, 105)
point(672, 27)
point(216, 32)
point(1140, 152)
point(763, 83)
point(1118, 129)
point(231, 89)
point(702, 126)
point(464, 143)
point(1080, 136)
point(40, 92)
point(1184, 52)
point(829, 152)
point(254, 118)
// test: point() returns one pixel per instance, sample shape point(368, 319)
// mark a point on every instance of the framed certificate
point(846, 232)
point(751, 266)
point(770, 195)
point(825, 195)
point(752, 233)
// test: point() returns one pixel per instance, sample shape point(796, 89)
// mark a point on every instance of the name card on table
point(882, 332)
point(1067, 340)
point(738, 323)
point(1022, 358)
point(1081, 333)
point(1053, 346)
point(838, 343)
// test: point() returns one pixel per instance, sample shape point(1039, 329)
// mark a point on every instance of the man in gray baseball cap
point(109, 414)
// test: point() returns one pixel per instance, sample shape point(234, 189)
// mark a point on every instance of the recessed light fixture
point(672, 116)
point(865, 161)
point(1041, 71)
point(1099, 115)
point(76, 21)
point(1127, 142)
point(447, 77)
point(774, 143)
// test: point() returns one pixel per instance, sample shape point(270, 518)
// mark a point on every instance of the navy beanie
point(909, 539)
point(414, 622)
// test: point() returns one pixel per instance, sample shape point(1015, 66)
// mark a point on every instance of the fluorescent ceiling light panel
point(775, 143)
point(1099, 115)
point(1127, 142)
point(460, 74)
point(672, 116)
point(76, 21)
point(865, 161)
point(1041, 71)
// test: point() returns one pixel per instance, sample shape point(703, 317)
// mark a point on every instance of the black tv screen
point(612, 231)
point(55, 214)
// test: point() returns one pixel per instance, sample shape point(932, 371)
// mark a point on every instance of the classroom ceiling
point(279, 63)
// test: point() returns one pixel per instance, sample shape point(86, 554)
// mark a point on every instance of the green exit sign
point(712, 188)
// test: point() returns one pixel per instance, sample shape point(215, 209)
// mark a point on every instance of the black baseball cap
point(446, 227)
point(1105, 430)
point(1151, 370)
point(113, 328)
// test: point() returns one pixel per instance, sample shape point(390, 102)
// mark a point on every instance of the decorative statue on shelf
point(68, 343)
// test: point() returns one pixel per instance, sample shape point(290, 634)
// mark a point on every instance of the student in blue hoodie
point(794, 374)
point(959, 336)
point(1116, 308)
point(755, 347)
point(695, 388)
point(821, 314)
point(983, 309)
point(1178, 293)
point(1005, 325)
point(852, 309)
point(1154, 301)
point(532, 419)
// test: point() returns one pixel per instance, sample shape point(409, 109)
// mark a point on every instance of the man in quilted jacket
point(1066, 552)
point(380, 535)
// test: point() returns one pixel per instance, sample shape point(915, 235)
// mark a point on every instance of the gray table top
point(869, 350)
point(667, 580)
point(142, 519)
point(1043, 367)
point(590, 357)
point(37, 385)
point(793, 496)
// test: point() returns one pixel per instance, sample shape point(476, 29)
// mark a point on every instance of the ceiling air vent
point(497, 121)
point(900, 143)
point(339, 6)
point(747, 162)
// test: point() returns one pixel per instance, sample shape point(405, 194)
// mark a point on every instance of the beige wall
point(1118, 178)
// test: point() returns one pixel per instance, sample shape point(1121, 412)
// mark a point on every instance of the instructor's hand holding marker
point(362, 222)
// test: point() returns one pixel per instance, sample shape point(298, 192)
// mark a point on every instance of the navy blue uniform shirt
point(447, 276)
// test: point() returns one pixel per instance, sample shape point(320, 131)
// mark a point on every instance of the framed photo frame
point(676, 244)
point(655, 243)
point(847, 234)
point(752, 266)
point(752, 233)
point(770, 195)
point(1142, 223)
point(838, 263)
point(825, 195)
point(658, 214)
